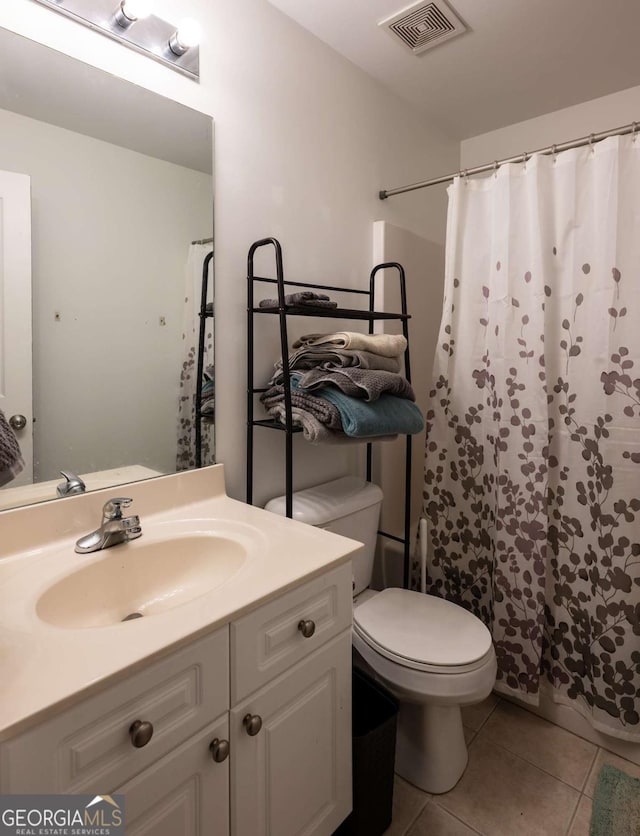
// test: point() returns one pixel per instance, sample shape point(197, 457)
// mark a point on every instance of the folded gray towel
point(368, 384)
point(304, 297)
point(11, 461)
point(328, 357)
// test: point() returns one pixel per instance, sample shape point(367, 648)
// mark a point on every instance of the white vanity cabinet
point(245, 731)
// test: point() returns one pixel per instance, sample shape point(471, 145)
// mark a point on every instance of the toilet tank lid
point(330, 501)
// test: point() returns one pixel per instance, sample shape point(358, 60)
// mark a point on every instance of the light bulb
point(136, 9)
point(132, 10)
point(187, 35)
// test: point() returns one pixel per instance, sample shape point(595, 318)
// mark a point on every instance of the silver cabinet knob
point(140, 733)
point(219, 750)
point(252, 724)
point(307, 627)
point(17, 422)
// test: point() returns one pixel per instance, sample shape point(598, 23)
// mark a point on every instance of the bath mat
point(616, 804)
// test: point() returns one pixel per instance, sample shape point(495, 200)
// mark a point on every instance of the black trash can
point(375, 716)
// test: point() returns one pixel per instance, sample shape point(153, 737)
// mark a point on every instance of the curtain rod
point(519, 158)
point(203, 241)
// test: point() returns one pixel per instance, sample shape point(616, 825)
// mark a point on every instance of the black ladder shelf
point(204, 314)
point(283, 311)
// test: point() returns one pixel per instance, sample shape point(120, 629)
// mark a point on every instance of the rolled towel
point(304, 297)
point(387, 416)
point(388, 345)
point(11, 461)
point(369, 384)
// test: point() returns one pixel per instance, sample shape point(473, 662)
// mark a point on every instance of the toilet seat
point(423, 632)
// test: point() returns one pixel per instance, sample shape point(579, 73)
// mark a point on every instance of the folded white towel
point(387, 345)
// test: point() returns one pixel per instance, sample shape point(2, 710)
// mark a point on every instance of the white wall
point(304, 141)
point(593, 116)
point(110, 235)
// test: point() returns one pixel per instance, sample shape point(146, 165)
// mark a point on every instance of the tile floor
point(526, 777)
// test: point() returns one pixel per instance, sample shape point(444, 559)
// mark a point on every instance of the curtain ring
point(524, 160)
point(554, 152)
point(465, 174)
point(591, 138)
point(634, 131)
point(495, 168)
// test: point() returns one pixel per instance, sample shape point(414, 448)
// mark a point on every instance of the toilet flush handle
point(307, 627)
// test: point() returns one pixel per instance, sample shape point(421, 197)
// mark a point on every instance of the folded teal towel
point(386, 416)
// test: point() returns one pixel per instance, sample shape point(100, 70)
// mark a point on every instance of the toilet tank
point(349, 506)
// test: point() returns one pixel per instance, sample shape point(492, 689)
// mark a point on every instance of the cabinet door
point(185, 793)
point(294, 776)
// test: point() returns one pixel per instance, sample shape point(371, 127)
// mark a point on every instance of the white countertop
point(45, 668)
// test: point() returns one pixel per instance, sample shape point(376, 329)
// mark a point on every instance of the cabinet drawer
point(266, 642)
point(89, 745)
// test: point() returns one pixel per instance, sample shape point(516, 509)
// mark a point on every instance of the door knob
point(141, 733)
point(219, 750)
point(253, 724)
point(18, 422)
point(307, 627)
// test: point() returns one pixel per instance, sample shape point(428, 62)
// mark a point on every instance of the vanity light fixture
point(132, 23)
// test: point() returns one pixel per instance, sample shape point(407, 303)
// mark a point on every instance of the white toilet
point(434, 656)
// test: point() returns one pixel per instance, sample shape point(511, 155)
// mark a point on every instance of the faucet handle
point(112, 509)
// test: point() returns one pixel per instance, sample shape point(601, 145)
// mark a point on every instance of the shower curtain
point(186, 448)
point(532, 474)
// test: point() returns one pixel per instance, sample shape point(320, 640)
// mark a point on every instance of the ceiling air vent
point(422, 26)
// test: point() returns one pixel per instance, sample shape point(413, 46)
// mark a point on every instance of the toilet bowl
point(433, 655)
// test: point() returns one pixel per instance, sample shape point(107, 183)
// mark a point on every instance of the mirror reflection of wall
point(111, 233)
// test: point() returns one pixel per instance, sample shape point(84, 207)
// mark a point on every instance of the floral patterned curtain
point(186, 447)
point(532, 477)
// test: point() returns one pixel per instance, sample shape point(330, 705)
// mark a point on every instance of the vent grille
point(424, 25)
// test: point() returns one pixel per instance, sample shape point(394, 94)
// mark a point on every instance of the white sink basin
point(141, 578)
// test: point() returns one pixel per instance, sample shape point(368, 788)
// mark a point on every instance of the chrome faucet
point(71, 486)
point(114, 529)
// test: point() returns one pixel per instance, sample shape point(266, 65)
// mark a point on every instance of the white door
point(15, 313)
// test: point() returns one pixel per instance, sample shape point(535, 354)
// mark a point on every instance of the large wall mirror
point(106, 217)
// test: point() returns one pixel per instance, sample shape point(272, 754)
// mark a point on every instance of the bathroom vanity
point(228, 712)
